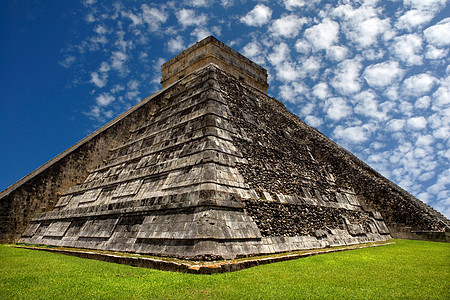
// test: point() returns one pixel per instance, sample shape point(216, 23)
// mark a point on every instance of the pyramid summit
point(210, 167)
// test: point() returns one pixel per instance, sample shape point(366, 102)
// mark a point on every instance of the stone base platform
point(194, 267)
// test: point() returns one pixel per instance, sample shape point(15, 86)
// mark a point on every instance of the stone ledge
point(189, 266)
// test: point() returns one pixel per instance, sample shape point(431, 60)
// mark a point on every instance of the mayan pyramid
point(209, 167)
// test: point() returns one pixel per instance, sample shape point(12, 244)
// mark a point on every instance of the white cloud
point(337, 53)
point(354, 134)
point(287, 71)
point(321, 90)
point(322, 36)
point(417, 123)
point(100, 29)
point(118, 59)
point(435, 53)
point(287, 26)
point(395, 124)
point(423, 102)
point(432, 5)
point(311, 66)
point(438, 34)
point(136, 19)
point(104, 67)
point(68, 61)
point(200, 33)
point(418, 85)
point(227, 3)
point(302, 46)
point(255, 52)
point(280, 54)
point(408, 49)
point(99, 80)
point(347, 80)
point(153, 17)
point(414, 18)
point(367, 105)
point(337, 108)
point(293, 91)
point(293, 4)
point(441, 98)
point(188, 17)
point(258, 16)
point(361, 25)
point(198, 3)
point(383, 74)
point(313, 121)
point(104, 99)
point(373, 54)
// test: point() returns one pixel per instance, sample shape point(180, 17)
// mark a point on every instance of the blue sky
point(372, 75)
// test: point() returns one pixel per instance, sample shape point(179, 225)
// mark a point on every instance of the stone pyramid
point(210, 167)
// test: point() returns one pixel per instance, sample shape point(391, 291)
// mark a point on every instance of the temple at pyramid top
point(210, 50)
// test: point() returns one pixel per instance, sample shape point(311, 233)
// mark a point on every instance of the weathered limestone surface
point(210, 167)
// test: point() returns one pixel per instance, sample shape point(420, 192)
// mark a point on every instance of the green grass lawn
point(407, 269)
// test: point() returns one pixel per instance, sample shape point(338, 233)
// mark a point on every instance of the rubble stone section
point(286, 160)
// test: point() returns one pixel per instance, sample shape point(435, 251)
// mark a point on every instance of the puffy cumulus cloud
point(395, 124)
point(288, 71)
point(321, 90)
point(361, 25)
point(383, 74)
point(293, 92)
point(417, 123)
point(188, 17)
point(153, 17)
point(313, 121)
point(438, 34)
point(200, 33)
point(353, 134)
point(367, 105)
point(176, 45)
point(280, 53)
point(132, 91)
point(198, 3)
point(287, 26)
point(337, 53)
point(258, 16)
point(337, 108)
point(408, 49)
point(104, 99)
point(322, 36)
point(423, 102)
point(414, 18)
point(441, 98)
point(293, 4)
point(435, 53)
point(99, 80)
point(373, 54)
point(118, 59)
point(255, 52)
point(430, 5)
point(302, 46)
point(310, 67)
point(418, 85)
point(347, 80)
